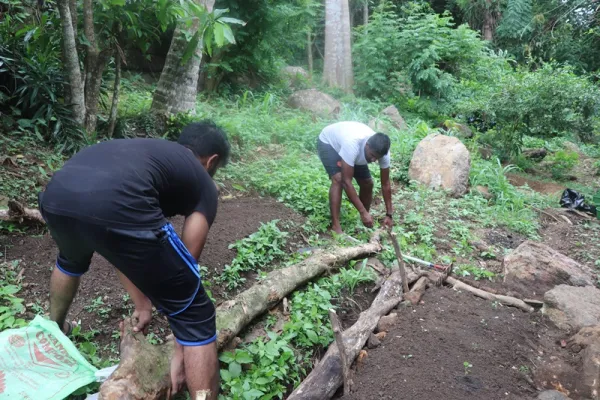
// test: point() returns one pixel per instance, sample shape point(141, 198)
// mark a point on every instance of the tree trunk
point(176, 91)
point(309, 51)
point(337, 70)
point(234, 315)
point(366, 13)
point(327, 376)
point(213, 77)
point(488, 23)
point(76, 89)
point(112, 121)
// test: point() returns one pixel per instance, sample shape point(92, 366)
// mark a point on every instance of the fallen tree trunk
point(327, 376)
point(18, 213)
point(506, 300)
point(234, 315)
point(144, 370)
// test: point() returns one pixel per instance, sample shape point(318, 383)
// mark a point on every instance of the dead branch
point(418, 290)
point(506, 300)
point(392, 236)
point(18, 213)
point(339, 340)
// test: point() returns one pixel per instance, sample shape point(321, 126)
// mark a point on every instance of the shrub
point(562, 162)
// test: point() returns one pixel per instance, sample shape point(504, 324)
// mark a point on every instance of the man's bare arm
point(347, 175)
point(195, 232)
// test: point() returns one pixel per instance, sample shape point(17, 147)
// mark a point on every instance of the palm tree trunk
point(177, 86)
point(112, 121)
point(76, 89)
point(337, 70)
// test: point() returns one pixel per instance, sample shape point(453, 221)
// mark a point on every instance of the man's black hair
point(204, 139)
point(379, 143)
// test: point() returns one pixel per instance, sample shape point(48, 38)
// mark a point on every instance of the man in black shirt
point(114, 199)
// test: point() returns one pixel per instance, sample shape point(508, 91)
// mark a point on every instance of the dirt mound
point(537, 186)
point(454, 346)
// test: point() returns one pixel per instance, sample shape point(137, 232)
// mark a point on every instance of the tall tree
point(483, 15)
point(337, 70)
point(177, 86)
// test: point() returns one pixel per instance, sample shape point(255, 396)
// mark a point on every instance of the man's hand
point(177, 371)
point(366, 219)
point(142, 318)
point(388, 222)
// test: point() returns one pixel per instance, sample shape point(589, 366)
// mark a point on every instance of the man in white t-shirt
point(345, 149)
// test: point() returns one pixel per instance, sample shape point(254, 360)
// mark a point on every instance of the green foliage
point(424, 50)
point(562, 162)
point(516, 20)
point(548, 102)
point(11, 306)
point(255, 252)
point(267, 368)
point(31, 78)
point(476, 273)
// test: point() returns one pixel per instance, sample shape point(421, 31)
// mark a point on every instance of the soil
point(423, 356)
point(538, 186)
point(236, 219)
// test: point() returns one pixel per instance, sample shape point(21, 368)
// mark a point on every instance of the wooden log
point(417, 291)
point(234, 315)
point(18, 213)
point(327, 376)
point(506, 300)
point(339, 340)
point(144, 370)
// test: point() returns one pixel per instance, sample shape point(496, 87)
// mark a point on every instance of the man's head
point(377, 146)
point(209, 144)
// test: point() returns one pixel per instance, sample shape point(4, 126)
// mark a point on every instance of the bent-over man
point(114, 198)
point(345, 149)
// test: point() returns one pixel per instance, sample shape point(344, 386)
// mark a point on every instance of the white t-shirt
point(348, 138)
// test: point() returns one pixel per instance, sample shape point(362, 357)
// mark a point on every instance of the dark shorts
point(156, 261)
point(333, 162)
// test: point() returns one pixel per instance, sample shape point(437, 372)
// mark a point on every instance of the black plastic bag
point(575, 200)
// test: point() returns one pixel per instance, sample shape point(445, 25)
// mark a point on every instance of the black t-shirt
point(132, 184)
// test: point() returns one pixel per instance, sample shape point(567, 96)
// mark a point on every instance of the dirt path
point(236, 219)
point(535, 185)
point(424, 356)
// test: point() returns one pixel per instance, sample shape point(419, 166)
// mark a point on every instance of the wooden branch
point(327, 376)
point(18, 213)
point(418, 290)
point(506, 300)
point(339, 340)
point(234, 315)
point(392, 236)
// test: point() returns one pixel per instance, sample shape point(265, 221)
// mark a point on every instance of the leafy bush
point(546, 103)
point(421, 49)
point(31, 77)
point(562, 162)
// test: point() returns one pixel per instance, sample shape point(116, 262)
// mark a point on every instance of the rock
point(461, 130)
point(379, 125)
point(572, 308)
point(441, 161)
point(484, 192)
point(395, 118)
point(295, 75)
point(554, 375)
point(373, 341)
point(552, 395)
point(387, 322)
point(318, 103)
point(534, 268)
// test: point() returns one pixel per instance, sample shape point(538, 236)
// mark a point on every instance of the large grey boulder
point(390, 114)
point(441, 162)
point(534, 268)
point(295, 75)
point(572, 308)
point(318, 103)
